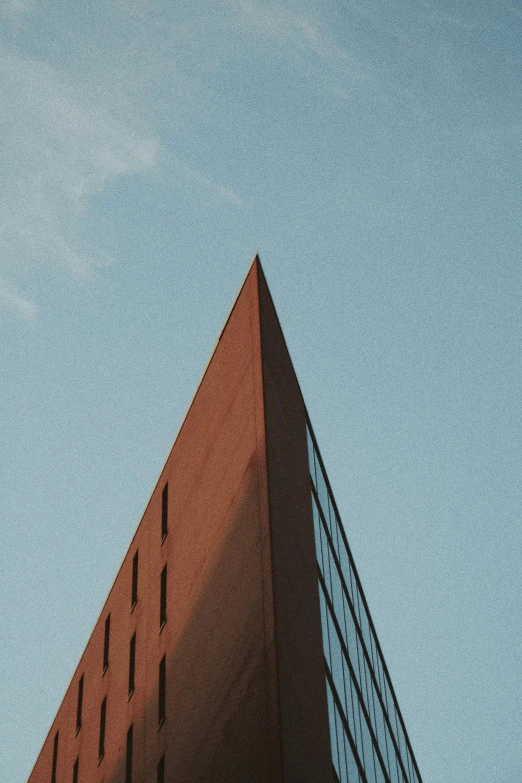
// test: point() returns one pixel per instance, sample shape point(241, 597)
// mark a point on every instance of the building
point(235, 645)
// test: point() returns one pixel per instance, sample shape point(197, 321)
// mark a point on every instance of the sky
point(371, 153)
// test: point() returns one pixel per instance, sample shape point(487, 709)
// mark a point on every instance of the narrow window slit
point(134, 592)
point(161, 770)
point(128, 758)
point(163, 597)
point(106, 641)
point(162, 682)
point(101, 741)
point(164, 512)
point(79, 705)
point(132, 664)
point(55, 757)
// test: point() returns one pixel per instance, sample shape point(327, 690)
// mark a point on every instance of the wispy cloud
point(287, 27)
point(302, 34)
point(12, 299)
point(220, 191)
point(61, 145)
point(16, 6)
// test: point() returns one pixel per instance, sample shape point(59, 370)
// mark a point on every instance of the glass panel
point(351, 637)
point(348, 621)
point(375, 659)
point(410, 768)
point(325, 557)
point(353, 770)
point(356, 717)
point(345, 566)
point(337, 596)
point(365, 627)
point(337, 659)
point(394, 768)
point(402, 746)
point(334, 527)
point(349, 701)
point(391, 710)
point(361, 677)
point(311, 460)
point(381, 733)
point(353, 583)
point(340, 743)
point(323, 495)
point(333, 733)
point(324, 624)
point(367, 746)
point(317, 523)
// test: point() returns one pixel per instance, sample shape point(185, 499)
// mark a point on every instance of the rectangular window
point(128, 758)
point(132, 664)
point(75, 770)
point(163, 597)
point(164, 512)
point(134, 592)
point(106, 643)
point(79, 705)
point(161, 771)
point(101, 742)
point(55, 757)
point(161, 691)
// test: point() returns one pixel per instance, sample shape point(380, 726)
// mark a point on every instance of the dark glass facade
point(368, 737)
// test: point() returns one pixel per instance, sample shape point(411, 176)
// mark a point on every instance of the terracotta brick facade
point(245, 698)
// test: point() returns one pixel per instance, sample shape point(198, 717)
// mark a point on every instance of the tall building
point(235, 645)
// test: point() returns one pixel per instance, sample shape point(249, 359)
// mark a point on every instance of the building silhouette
point(235, 645)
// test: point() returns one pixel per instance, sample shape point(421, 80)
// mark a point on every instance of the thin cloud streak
point(335, 70)
point(288, 27)
point(62, 145)
point(16, 6)
point(214, 187)
point(12, 299)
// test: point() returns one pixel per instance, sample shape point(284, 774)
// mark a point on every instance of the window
point(161, 692)
point(164, 512)
point(163, 597)
point(75, 770)
point(132, 664)
point(55, 757)
point(101, 743)
point(161, 771)
point(106, 643)
point(134, 592)
point(128, 758)
point(79, 705)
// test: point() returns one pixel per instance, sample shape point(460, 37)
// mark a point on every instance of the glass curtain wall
point(367, 732)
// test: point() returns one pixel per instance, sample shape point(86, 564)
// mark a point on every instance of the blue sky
point(371, 153)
